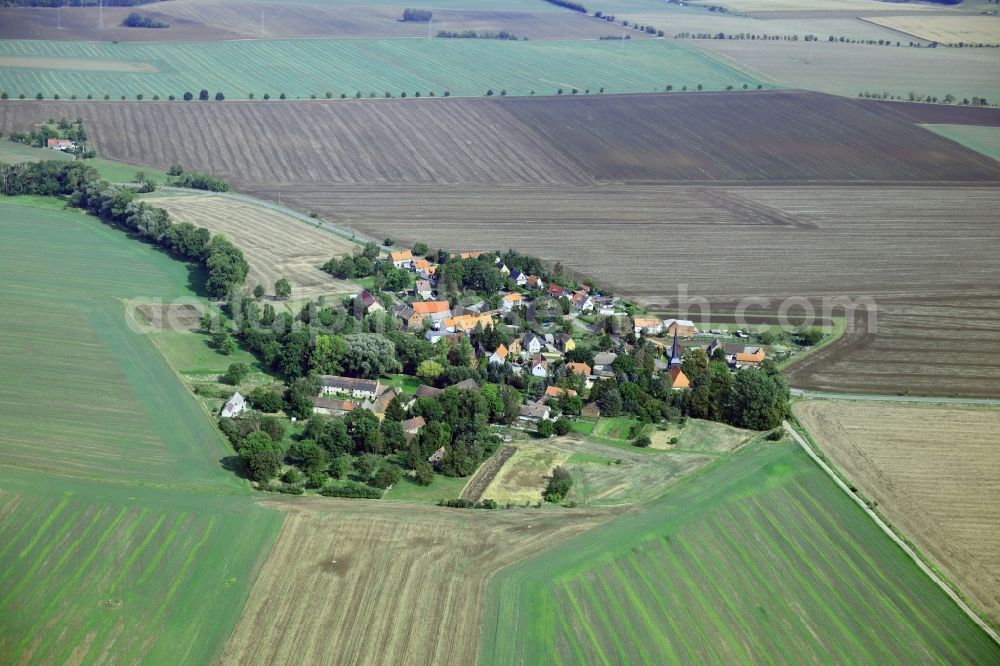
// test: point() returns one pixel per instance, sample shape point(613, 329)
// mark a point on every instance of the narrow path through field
point(892, 535)
point(800, 393)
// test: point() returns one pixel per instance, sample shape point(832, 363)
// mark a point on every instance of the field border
point(891, 533)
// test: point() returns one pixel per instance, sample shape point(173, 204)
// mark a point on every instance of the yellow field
point(275, 244)
point(944, 29)
point(356, 582)
point(522, 479)
point(934, 472)
point(77, 64)
point(808, 5)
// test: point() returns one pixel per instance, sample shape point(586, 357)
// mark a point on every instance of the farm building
point(60, 144)
point(365, 389)
point(412, 426)
point(467, 323)
point(415, 314)
point(436, 457)
point(379, 404)
point(423, 289)
point(235, 405)
point(368, 300)
point(578, 369)
point(557, 392)
point(332, 407)
point(591, 411)
point(685, 328)
point(424, 391)
point(648, 325)
point(469, 384)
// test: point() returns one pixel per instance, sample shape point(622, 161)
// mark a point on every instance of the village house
point(556, 392)
point(369, 301)
point(401, 259)
point(60, 144)
point(539, 366)
point(750, 357)
point(467, 323)
point(469, 384)
point(436, 457)
point(712, 346)
point(519, 278)
point(511, 301)
point(555, 291)
point(415, 314)
point(423, 289)
point(380, 403)
point(534, 412)
point(333, 407)
point(427, 272)
point(531, 344)
point(564, 342)
point(684, 328)
point(534, 282)
point(602, 363)
point(581, 369)
point(648, 325)
point(363, 389)
point(582, 301)
point(234, 406)
point(499, 357)
point(412, 426)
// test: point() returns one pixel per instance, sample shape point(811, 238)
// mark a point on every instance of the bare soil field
point(276, 245)
point(814, 5)
point(935, 284)
point(196, 20)
point(412, 577)
point(940, 114)
point(944, 29)
point(935, 474)
point(847, 69)
point(708, 137)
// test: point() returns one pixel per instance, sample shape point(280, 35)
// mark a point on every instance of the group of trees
point(64, 129)
point(568, 4)
point(196, 180)
point(137, 20)
point(417, 15)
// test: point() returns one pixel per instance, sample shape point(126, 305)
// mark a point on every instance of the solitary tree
point(282, 289)
point(188, 96)
point(258, 291)
point(203, 95)
point(219, 97)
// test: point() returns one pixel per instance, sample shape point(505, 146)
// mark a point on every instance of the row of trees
point(137, 20)
point(481, 34)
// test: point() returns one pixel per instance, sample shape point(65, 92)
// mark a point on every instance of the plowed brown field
point(707, 137)
point(935, 473)
point(356, 582)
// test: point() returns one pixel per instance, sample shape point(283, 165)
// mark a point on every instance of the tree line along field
point(369, 583)
point(906, 458)
point(87, 397)
point(196, 20)
point(848, 69)
point(759, 559)
point(276, 246)
point(300, 68)
point(705, 137)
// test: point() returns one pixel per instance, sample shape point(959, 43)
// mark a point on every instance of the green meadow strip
point(43, 528)
point(138, 551)
point(179, 576)
point(583, 622)
point(162, 550)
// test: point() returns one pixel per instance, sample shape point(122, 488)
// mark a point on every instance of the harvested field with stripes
point(760, 558)
point(276, 245)
point(934, 472)
point(367, 583)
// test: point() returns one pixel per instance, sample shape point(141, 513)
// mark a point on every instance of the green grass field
point(300, 68)
point(83, 394)
point(92, 573)
point(122, 537)
point(758, 559)
point(116, 172)
point(985, 140)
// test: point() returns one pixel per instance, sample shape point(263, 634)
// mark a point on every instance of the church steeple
point(675, 353)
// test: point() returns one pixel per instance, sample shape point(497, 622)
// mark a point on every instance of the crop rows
point(300, 68)
point(904, 458)
point(762, 559)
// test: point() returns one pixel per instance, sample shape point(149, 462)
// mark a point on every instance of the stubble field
point(945, 29)
point(933, 472)
point(196, 20)
point(759, 559)
point(847, 69)
point(364, 583)
point(275, 245)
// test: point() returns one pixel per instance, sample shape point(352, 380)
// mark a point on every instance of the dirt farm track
point(643, 193)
